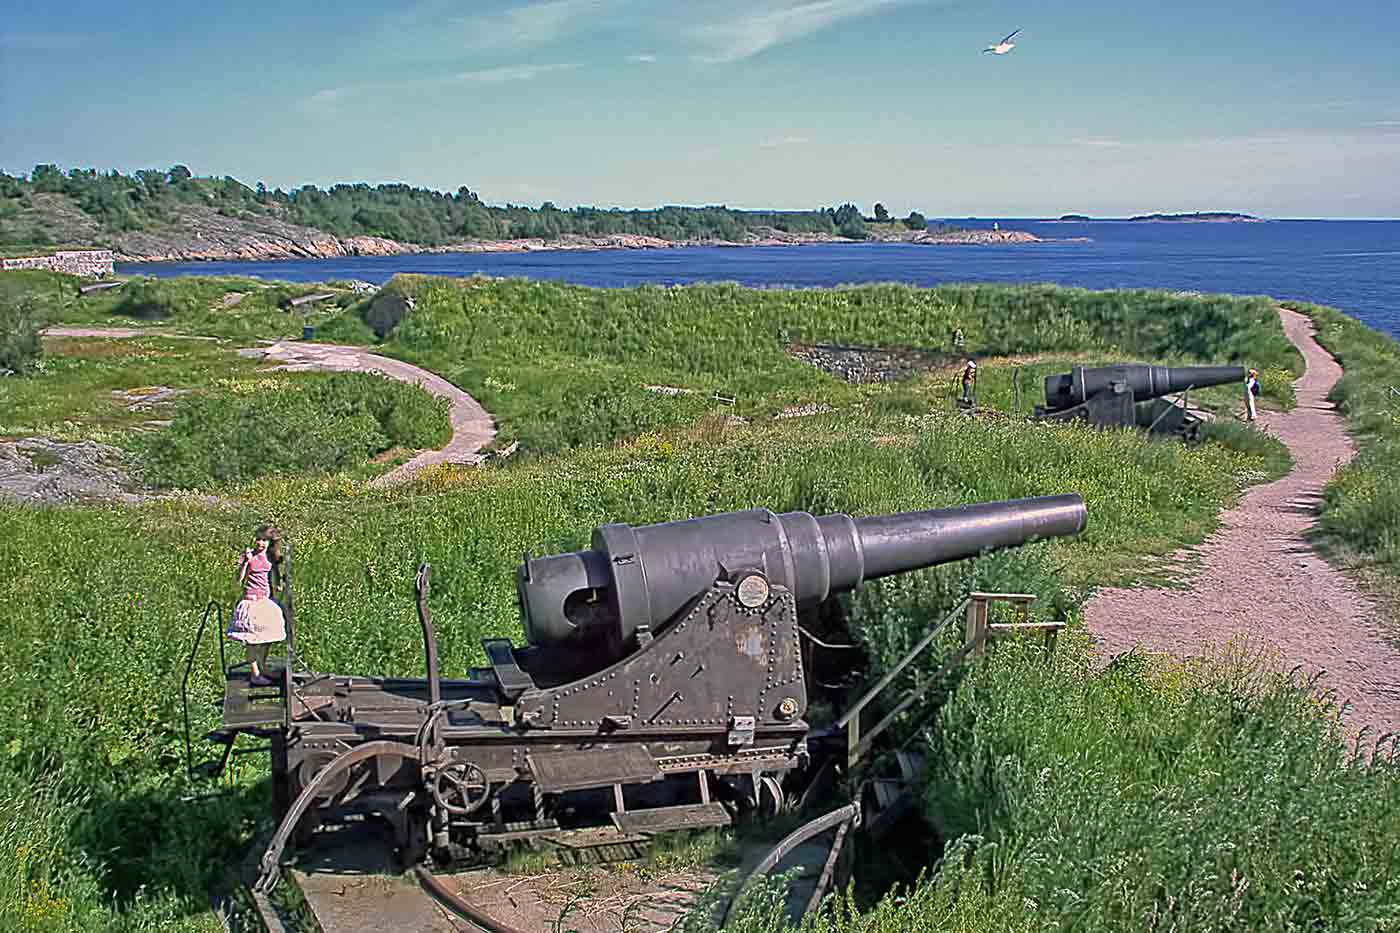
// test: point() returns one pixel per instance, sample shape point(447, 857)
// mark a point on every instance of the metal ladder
point(881, 801)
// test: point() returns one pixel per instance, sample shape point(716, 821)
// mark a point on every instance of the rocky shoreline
point(213, 238)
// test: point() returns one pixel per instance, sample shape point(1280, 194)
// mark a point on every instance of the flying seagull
point(1002, 47)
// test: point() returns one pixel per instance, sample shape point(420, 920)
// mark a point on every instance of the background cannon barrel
point(1147, 382)
point(596, 600)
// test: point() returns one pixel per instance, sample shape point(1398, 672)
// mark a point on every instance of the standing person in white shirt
point(1251, 389)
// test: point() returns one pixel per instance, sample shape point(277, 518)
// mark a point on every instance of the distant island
point(1196, 217)
point(171, 215)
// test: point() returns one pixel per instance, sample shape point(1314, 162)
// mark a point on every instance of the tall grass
point(561, 365)
point(101, 602)
point(1361, 503)
point(1144, 797)
point(314, 422)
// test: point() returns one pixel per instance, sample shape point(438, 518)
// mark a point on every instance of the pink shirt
point(256, 585)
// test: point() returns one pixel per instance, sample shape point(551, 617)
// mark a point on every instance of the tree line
point(152, 198)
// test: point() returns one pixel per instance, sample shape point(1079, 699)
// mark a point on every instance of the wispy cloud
point(1100, 143)
point(506, 73)
point(783, 141)
point(715, 31)
point(545, 22)
point(746, 29)
point(1383, 123)
point(328, 98)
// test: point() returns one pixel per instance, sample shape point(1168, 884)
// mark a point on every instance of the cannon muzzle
point(1146, 382)
point(594, 602)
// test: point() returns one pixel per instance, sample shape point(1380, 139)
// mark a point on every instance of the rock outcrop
point(865, 365)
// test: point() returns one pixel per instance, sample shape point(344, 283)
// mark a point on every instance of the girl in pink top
point(257, 619)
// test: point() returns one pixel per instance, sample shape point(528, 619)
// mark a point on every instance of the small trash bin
point(308, 333)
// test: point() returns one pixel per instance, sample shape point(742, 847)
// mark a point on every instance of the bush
point(22, 318)
point(148, 300)
point(318, 423)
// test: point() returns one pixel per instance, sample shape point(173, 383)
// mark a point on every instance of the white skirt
point(257, 622)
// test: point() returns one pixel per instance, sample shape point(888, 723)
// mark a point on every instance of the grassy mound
point(562, 365)
point(233, 307)
point(1361, 505)
point(103, 601)
point(311, 423)
point(100, 830)
point(1143, 797)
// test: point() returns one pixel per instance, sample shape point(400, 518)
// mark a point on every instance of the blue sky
point(1275, 107)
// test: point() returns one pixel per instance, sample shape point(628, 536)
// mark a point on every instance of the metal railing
point(212, 610)
point(975, 610)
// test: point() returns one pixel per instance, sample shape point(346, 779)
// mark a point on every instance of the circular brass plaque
point(753, 591)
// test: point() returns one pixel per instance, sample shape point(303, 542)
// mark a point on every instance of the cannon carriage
point(663, 684)
point(1155, 398)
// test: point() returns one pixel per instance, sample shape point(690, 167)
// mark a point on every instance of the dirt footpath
point(472, 427)
point(1261, 580)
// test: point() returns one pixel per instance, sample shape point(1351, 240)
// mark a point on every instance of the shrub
point(22, 318)
point(317, 423)
point(149, 299)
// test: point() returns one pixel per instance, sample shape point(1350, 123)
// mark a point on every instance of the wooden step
point(666, 819)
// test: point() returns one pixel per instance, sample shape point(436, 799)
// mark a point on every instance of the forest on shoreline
point(83, 206)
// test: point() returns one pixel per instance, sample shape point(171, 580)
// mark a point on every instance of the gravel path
point(118, 332)
point(472, 427)
point(1260, 580)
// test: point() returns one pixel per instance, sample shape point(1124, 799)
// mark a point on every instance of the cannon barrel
point(1147, 382)
point(595, 601)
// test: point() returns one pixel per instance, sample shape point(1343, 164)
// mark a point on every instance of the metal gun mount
point(1132, 395)
point(664, 663)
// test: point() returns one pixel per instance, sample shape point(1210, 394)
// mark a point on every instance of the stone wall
point(94, 263)
point(870, 364)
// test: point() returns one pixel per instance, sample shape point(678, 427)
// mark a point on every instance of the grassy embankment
point(1360, 522)
point(228, 422)
point(103, 600)
point(200, 305)
point(564, 366)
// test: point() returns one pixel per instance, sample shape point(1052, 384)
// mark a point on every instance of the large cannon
point(662, 664)
point(1133, 395)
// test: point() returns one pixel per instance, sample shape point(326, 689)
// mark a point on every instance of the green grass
point(1361, 504)
point(562, 366)
point(102, 601)
point(232, 424)
point(1146, 797)
point(71, 397)
point(188, 304)
point(304, 423)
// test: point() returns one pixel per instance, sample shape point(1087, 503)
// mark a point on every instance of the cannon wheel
point(269, 867)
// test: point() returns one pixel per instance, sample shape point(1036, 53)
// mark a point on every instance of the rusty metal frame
point(215, 610)
point(846, 817)
point(269, 868)
point(979, 631)
point(425, 618)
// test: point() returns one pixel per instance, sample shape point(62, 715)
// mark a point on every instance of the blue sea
point(1350, 265)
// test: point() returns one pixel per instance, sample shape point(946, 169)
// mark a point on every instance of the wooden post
point(852, 740)
point(977, 625)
